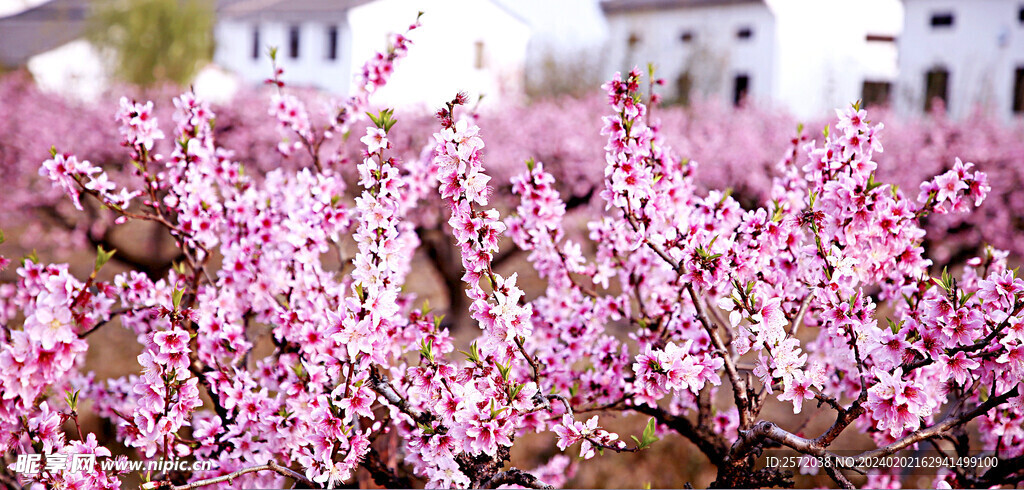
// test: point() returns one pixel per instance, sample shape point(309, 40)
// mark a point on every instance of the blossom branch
point(271, 466)
point(941, 427)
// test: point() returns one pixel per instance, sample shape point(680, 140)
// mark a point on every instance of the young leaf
point(102, 257)
point(176, 297)
point(648, 437)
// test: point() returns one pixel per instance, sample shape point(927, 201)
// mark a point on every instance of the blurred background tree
point(154, 41)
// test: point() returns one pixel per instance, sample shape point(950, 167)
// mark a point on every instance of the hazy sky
point(8, 7)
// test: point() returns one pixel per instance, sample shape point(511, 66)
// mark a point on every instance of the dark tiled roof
point(612, 6)
point(252, 8)
point(40, 29)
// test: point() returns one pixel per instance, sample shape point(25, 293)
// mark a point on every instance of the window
point(936, 84)
point(942, 19)
point(634, 40)
point(478, 55)
point(293, 42)
point(686, 36)
point(256, 42)
point(744, 33)
point(1018, 91)
point(880, 38)
point(1020, 15)
point(332, 42)
point(875, 93)
point(740, 87)
point(684, 85)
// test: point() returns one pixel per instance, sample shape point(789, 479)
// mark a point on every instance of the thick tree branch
point(381, 473)
point(712, 444)
point(515, 476)
point(939, 428)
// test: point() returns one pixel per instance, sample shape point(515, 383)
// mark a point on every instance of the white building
point(476, 46)
point(809, 56)
point(968, 53)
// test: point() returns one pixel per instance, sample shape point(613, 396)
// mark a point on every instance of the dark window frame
point(634, 40)
point(876, 93)
point(936, 86)
point(944, 19)
point(257, 47)
point(740, 88)
point(1018, 90)
point(332, 42)
point(294, 41)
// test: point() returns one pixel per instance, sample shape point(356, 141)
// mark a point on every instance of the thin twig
point(270, 466)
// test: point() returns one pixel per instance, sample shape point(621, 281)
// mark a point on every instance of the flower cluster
point(167, 393)
point(463, 184)
point(317, 365)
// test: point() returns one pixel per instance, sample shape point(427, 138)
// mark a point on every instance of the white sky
point(9, 7)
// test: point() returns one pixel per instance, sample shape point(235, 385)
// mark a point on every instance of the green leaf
point(71, 398)
point(176, 297)
point(872, 185)
point(1, 236)
point(427, 349)
point(53, 151)
point(530, 163)
point(473, 354)
point(102, 257)
point(825, 131)
point(648, 436)
point(513, 390)
point(504, 370)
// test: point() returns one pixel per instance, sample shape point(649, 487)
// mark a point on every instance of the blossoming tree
point(821, 296)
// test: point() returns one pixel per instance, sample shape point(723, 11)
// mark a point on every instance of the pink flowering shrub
point(819, 297)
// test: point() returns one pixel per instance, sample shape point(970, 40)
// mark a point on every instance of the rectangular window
point(684, 85)
point(686, 36)
point(880, 38)
point(744, 33)
point(332, 42)
point(1020, 15)
point(256, 42)
point(942, 19)
point(936, 85)
point(479, 55)
point(740, 88)
point(293, 42)
point(875, 93)
point(634, 40)
point(1018, 91)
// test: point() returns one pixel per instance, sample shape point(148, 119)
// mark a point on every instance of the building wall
point(824, 56)
point(311, 68)
point(455, 35)
point(713, 55)
point(808, 56)
point(981, 51)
